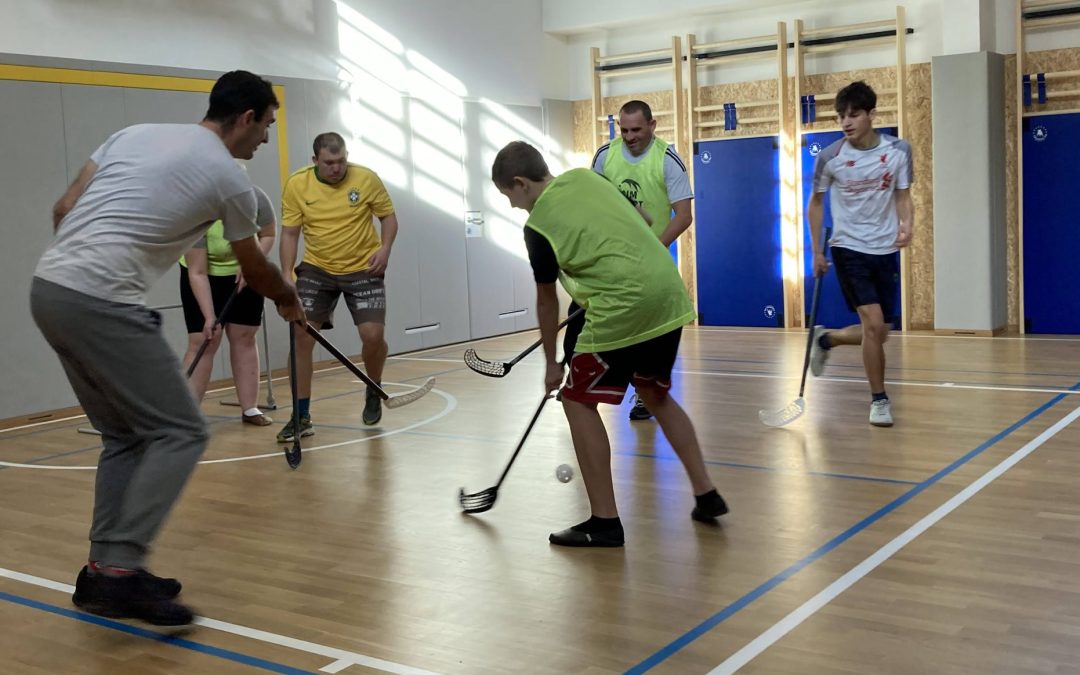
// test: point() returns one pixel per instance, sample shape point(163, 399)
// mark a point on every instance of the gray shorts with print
point(365, 295)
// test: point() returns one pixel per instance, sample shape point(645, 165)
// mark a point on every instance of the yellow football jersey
point(339, 229)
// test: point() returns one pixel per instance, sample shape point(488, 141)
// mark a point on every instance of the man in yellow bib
point(650, 173)
point(334, 203)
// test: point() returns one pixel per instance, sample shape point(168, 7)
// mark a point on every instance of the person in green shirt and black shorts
point(208, 274)
point(583, 232)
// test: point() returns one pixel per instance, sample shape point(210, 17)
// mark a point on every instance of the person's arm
point(292, 220)
point(679, 222)
point(905, 209)
point(815, 210)
point(545, 266)
point(290, 243)
point(196, 259)
point(679, 194)
point(67, 201)
point(547, 313)
point(815, 213)
point(266, 280)
point(381, 258)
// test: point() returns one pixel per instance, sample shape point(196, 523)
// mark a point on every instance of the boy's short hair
point(856, 96)
point(518, 159)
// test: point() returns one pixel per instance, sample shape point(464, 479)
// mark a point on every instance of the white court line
point(814, 604)
point(451, 405)
point(801, 332)
point(343, 659)
point(209, 391)
point(936, 385)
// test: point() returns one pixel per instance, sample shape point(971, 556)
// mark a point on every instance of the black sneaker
point(709, 509)
point(372, 408)
point(134, 596)
point(611, 538)
point(639, 412)
point(165, 587)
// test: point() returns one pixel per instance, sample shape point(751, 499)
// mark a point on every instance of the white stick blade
point(414, 395)
point(784, 416)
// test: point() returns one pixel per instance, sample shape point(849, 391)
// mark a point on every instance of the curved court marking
point(451, 404)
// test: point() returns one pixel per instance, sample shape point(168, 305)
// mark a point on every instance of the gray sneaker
point(818, 354)
point(880, 413)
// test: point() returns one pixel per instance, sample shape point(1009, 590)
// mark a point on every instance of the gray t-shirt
point(157, 188)
point(264, 216)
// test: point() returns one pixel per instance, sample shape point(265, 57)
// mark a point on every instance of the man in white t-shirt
point(650, 173)
point(868, 177)
point(145, 196)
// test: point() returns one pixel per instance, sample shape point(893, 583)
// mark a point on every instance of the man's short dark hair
point(518, 159)
point(636, 106)
point(856, 96)
point(235, 93)
point(330, 140)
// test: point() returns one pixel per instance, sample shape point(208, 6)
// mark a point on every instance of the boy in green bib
point(583, 232)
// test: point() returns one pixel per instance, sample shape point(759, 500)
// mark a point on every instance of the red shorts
point(604, 376)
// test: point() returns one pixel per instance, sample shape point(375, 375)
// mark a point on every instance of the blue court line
point(226, 654)
point(772, 469)
point(726, 613)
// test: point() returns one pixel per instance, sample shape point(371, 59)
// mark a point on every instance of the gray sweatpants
point(131, 386)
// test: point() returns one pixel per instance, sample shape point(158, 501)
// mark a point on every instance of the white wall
point(637, 25)
point(495, 48)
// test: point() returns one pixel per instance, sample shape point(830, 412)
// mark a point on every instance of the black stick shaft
point(810, 338)
point(539, 342)
point(293, 383)
point(813, 315)
point(311, 330)
point(521, 443)
point(220, 320)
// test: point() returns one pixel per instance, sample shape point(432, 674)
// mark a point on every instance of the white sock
point(252, 412)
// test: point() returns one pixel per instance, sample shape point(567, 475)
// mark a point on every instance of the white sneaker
point(880, 413)
point(818, 354)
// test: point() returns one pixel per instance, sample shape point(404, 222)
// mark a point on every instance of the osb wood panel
point(1054, 60)
point(918, 131)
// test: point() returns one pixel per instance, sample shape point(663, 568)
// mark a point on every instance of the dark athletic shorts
point(246, 310)
point(868, 279)
point(365, 295)
point(604, 376)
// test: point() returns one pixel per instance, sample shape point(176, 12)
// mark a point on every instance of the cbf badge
point(815, 148)
point(354, 197)
point(706, 157)
point(1039, 133)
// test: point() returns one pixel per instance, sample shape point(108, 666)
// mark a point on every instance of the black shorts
point(603, 377)
point(246, 310)
point(365, 295)
point(868, 279)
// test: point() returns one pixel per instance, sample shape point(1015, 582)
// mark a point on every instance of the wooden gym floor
point(947, 544)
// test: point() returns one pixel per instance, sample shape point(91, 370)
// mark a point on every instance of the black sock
point(594, 525)
point(879, 397)
point(708, 500)
point(824, 342)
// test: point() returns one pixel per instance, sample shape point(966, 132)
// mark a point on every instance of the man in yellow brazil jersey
point(333, 203)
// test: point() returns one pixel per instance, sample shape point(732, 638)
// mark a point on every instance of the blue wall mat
point(1051, 227)
point(832, 310)
point(737, 188)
